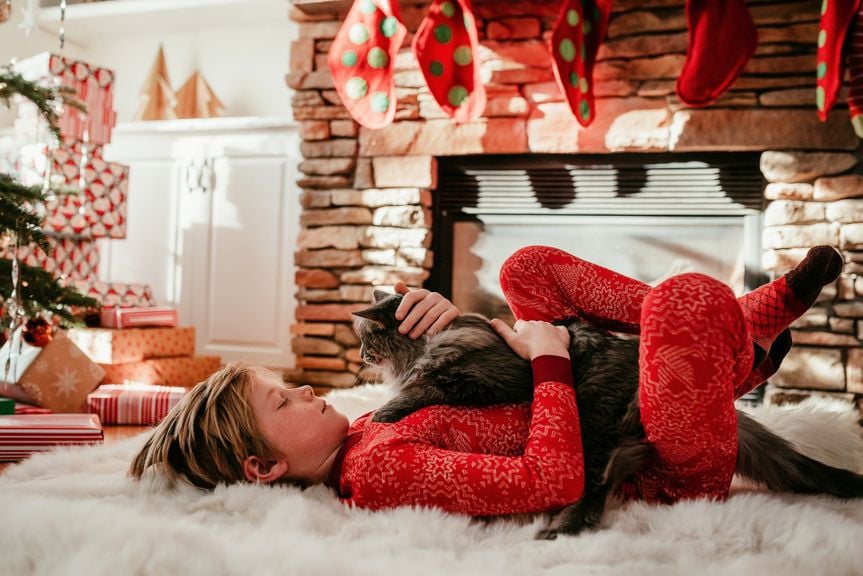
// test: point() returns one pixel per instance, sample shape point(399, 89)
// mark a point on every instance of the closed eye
point(283, 402)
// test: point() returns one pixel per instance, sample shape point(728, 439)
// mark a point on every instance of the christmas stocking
point(446, 48)
point(722, 39)
point(855, 73)
point(576, 38)
point(361, 61)
point(836, 19)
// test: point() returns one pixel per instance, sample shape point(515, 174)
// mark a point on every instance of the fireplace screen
point(645, 216)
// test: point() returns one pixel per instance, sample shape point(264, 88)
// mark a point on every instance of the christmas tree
point(26, 291)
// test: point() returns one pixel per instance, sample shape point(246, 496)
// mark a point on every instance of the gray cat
point(469, 364)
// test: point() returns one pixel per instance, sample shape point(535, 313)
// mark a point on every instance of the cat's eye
point(283, 402)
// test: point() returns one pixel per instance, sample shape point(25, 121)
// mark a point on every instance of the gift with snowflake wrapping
point(182, 371)
point(133, 403)
point(92, 85)
point(97, 209)
point(111, 346)
point(57, 376)
point(116, 293)
point(65, 258)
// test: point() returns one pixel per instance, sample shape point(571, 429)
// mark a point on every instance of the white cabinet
point(212, 222)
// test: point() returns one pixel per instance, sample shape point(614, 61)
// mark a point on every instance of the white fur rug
point(74, 512)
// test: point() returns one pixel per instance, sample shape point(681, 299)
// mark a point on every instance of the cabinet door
point(236, 259)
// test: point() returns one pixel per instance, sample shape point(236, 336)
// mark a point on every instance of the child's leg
point(695, 350)
point(543, 283)
point(771, 308)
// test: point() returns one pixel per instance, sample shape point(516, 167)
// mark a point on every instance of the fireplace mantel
point(368, 195)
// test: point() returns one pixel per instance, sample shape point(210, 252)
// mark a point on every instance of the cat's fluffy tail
point(773, 462)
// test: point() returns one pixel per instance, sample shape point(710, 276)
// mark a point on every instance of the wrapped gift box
point(65, 258)
point(133, 403)
point(107, 346)
point(98, 210)
point(184, 371)
point(117, 294)
point(57, 376)
point(21, 436)
point(92, 85)
point(137, 317)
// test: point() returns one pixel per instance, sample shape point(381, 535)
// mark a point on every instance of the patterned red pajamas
point(695, 357)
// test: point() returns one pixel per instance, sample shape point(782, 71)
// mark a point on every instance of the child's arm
point(547, 475)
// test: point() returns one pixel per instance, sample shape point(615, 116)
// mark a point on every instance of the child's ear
point(264, 471)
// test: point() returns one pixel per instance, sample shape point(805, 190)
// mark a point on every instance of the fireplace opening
point(648, 216)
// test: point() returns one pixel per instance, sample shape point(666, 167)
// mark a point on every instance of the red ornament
point(38, 332)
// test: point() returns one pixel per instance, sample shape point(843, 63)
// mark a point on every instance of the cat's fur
point(469, 364)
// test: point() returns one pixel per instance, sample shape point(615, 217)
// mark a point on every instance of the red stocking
point(361, 61)
point(446, 48)
point(722, 39)
point(577, 35)
point(836, 17)
point(855, 73)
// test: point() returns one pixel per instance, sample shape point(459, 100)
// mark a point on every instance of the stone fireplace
point(371, 198)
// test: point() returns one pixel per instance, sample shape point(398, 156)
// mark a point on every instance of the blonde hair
point(208, 435)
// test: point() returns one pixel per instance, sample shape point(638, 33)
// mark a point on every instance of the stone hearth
point(367, 194)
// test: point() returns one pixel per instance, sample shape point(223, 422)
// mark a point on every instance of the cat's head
point(381, 342)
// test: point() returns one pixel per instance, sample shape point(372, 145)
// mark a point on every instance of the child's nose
point(307, 392)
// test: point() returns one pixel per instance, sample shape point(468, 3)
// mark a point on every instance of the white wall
point(244, 64)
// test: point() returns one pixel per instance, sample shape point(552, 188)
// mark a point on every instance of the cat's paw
point(387, 415)
point(547, 534)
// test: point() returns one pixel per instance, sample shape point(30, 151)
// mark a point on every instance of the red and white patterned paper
point(65, 258)
point(98, 211)
point(133, 403)
point(92, 85)
point(139, 317)
point(116, 294)
point(24, 435)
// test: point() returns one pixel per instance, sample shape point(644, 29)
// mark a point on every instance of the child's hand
point(423, 312)
point(533, 338)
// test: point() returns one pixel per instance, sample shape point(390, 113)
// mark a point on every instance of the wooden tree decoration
point(157, 98)
point(195, 99)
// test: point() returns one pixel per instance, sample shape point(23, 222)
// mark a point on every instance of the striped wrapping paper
point(133, 403)
point(21, 436)
point(139, 316)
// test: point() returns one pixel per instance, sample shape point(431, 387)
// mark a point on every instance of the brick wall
point(366, 193)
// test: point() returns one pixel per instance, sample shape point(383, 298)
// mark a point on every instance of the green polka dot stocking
point(840, 19)
point(446, 49)
point(722, 39)
point(575, 40)
point(361, 61)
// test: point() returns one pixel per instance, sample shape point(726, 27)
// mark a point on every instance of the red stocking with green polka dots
point(576, 38)
point(836, 19)
point(722, 39)
point(855, 73)
point(446, 48)
point(361, 61)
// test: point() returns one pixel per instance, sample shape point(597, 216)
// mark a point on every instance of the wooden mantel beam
point(322, 6)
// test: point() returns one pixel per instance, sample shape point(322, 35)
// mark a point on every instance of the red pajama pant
point(695, 358)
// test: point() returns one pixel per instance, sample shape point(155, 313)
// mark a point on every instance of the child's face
point(300, 427)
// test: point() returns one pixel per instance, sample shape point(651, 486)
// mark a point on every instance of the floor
point(112, 434)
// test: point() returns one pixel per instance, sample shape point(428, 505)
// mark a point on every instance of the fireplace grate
point(627, 184)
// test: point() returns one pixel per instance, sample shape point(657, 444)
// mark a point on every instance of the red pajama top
point(493, 460)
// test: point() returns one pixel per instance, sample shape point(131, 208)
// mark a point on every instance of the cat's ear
point(373, 314)
point(379, 295)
